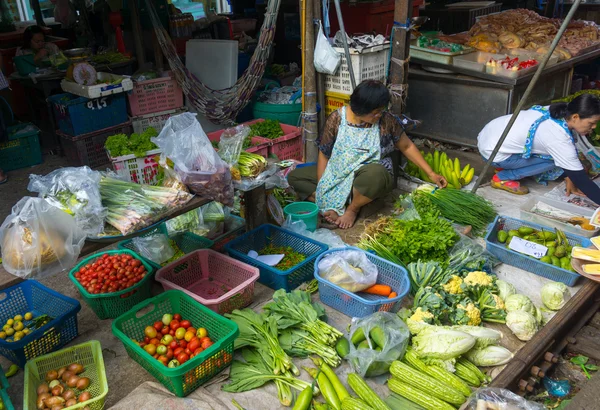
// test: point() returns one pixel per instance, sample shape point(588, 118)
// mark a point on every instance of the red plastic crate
point(160, 94)
point(262, 144)
point(219, 282)
point(289, 146)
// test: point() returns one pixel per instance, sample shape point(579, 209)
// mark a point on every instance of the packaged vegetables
point(350, 270)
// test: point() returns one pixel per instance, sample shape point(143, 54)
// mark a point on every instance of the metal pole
point(530, 87)
point(338, 10)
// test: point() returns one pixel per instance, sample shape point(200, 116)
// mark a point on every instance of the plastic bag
point(39, 240)
point(231, 143)
point(183, 140)
point(326, 59)
point(491, 398)
point(370, 362)
point(468, 255)
point(322, 235)
point(212, 219)
point(154, 247)
point(167, 177)
point(272, 177)
point(350, 270)
point(75, 191)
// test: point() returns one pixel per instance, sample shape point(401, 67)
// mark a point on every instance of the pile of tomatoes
point(173, 341)
point(111, 273)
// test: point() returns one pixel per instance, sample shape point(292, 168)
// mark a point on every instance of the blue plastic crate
point(32, 296)
point(364, 304)
point(79, 115)
point(265, 235)
point(527, 263)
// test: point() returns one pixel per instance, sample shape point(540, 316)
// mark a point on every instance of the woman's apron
point(556, 172)
point(353, 147)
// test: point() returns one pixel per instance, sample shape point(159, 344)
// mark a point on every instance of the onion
point(54, 383)
point(85, 396)
point(51, 375)
point(68, 394)
point(71, 402)
point(76, 368)
point(73, 381)
point(57, 390)
point(83, 383)
point(40, 400)
point(43, 388)
point(61, 371)
point(51, 401)
point(57, 407)
point(66, 375)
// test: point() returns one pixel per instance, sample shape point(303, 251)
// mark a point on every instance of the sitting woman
point(34, 42)
point(354, 164)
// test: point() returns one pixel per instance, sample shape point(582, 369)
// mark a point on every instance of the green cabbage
point(519, 302)
point(485, 336)
point(505, 289)
point(555, 295)
point(489, 356)
point(523, 324)
point(539, 316)
point(441, 343)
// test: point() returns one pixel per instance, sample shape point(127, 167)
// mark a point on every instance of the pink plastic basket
point(289, 146)
point(160, 94)
point(219, 282)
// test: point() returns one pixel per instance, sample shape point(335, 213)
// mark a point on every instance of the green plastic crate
point(186, 241)
point(184, 379)
point(4, 392)
point(111, 305)
point(88, 354)
point(22, 148)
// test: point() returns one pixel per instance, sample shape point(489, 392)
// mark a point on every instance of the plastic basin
point(303, 211)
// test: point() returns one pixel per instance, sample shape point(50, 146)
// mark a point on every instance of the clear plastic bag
point(168, 178)
point(468, 255)
point(212, 219)
point(231, 143)
point(326, 59)
point(491, 398)
point(39, 240)
point(183, 140)
point(272, 177)
point(75, 191)
point(350, 270)
point(154, 247)
point(322, 235)
point(370, 362)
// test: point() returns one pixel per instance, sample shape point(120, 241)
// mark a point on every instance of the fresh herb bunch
point(267, 129)
point(137, 144)
point(291, 258)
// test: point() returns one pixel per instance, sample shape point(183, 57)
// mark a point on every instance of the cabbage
point(519, 302)
point(441, 343)
point(523, 324)
point(555, 295)
point(539, 316)
point(505, 289)
point(485, 337)
point(489, 356)
point(416, 327)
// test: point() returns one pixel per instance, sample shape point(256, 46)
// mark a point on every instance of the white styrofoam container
point(99, 90)
point(368, 64)
point(157, 120)
point(527, 215)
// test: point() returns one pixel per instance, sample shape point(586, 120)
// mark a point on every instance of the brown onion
point(85, 396)
point(68, 394)
point(43, 388)
point(61, 371)
point(40, 400)
point(51, 375)
point(54, 383)
point(71, 402)
point(51, 401)
point(66, 375)
point(73, 380)
point(57, 390)
point(57, 407)
point(76, 368)
point(83, 383)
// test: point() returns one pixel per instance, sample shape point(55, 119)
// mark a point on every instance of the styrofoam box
point(100, 90)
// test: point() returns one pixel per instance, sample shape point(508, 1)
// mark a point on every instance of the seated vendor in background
point(353, 163)
point(541, 144)
point(34, 42)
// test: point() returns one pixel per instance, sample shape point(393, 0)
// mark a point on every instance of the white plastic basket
point(369, 64)
point(100, 90)
point(156, 120)
point(139, 170)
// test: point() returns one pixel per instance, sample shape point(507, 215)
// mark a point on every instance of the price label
point(97, 104)
point(527, 247)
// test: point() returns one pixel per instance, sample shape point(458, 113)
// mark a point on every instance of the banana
point(457, 166)
point(436, 161)
point(469, 176)
point(455, 181)
point(465, 170)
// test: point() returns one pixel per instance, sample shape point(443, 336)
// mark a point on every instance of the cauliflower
point(421, 315)
point(472, 313)
point(478, 278)
point(453, 285)
point(499, 301)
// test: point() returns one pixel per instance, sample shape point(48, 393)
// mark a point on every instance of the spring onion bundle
point(462, 207)
point(251, 165)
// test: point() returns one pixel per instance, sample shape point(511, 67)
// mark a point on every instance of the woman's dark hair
point(29, 33)
point(586, 105)
point(369, 96)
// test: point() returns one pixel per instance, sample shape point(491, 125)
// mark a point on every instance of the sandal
point(514, 187)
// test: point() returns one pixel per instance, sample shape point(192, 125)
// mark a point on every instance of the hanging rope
point(220, 106)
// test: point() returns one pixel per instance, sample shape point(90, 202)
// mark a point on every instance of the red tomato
point(183, 357)
point(188, 352)
point(177, 351)
point(172, 332)
point(198, 350)
point(170, 353)
point(192, 329)
point(206, 344)
point(146, 339)
point(155, 341)
point(174, 345)
point(136, 263)
point(185, 324)
point(177, 316)
point(193, 344)
point(174, 325)
point(163, 359)
point(165, 330)
point(183, 343)
point(158, 325)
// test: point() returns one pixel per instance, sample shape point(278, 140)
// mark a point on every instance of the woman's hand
point(437, 179)
point(572, 189)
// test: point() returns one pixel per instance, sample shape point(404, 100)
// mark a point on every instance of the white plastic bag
point(350, 270)
point(327, 60)
point(154, 247)
point(491, 398)
point(39, 240)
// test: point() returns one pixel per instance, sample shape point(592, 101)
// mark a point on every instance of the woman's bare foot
point(347, 220)
point(312, 197)
point(331, 217)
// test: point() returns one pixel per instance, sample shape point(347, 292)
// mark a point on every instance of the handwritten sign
point(527, 247)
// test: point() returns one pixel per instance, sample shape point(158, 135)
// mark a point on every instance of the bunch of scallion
point(462, 207)
point(251, 165)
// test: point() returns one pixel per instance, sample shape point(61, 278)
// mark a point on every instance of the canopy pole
point(528, 91)
point(338, 11)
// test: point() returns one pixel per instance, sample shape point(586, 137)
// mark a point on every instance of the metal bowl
point(419, 21)
point(77, 52)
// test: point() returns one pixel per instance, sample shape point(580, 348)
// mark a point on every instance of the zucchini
point(362, 389)
point(433, 387)
point(397, 402)
point(437, 373)
point(417, 396)
point(350, 403)
point(466, 374)
point(474, 369)
point(358, 336)
point(342, 347)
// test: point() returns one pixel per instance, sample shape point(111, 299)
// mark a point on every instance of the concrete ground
point(124, 374)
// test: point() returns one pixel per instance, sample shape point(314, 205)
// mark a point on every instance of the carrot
point(392, 295)
point(383, 290)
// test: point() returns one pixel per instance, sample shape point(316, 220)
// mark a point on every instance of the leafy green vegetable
point(489, 356)
point(555, 295)
point(137, 144)
point(267, 129)
point(442, 343)
point(422, 274)
point(519, 302)
point(523, 324)
point(582, 361)
point(300, 343)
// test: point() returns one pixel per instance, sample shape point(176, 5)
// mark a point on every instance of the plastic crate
point(4, 392)
point(234, 227)
point(527, 263)
point(88, 149)
point(155, 120)
point(369, 64)
point(260, 146)
point(160, 94)
point(79, 115)
point(139, 170)
point(22, 148)
point(32, 296)
point(265, 235)
point(100, 90)
point(289, 146)
point(186, 241)
point(364, 304)
point(219, 282)
point(184, 379)
point(88, 354)
point(335, 101)
point(111, 305)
